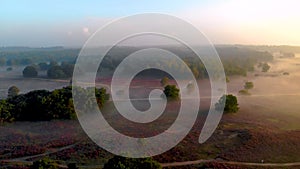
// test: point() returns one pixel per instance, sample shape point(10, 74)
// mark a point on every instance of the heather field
point(265, 130)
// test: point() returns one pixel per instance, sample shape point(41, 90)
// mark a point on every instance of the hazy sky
point(70, 23)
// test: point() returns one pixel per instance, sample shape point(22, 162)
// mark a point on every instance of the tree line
point(236, 61)
point(21, 56)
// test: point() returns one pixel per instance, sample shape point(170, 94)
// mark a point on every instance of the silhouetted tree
point(56, 72)
point(30, 71)
point(13, 91)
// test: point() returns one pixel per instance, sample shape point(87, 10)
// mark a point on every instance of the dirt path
point(24, 159)
point(174, 164)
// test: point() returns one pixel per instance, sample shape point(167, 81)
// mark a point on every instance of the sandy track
point(175, 164)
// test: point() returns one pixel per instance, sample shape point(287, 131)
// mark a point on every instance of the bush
point(9, 69)
point(248, 85)
point(286, 73)
point(131, 163)
point(244, 92)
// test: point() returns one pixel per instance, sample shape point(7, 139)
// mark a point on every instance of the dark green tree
point(5, 109)
point(101, 96)
point(56, 72)
point(30, 71)
point(131, 163)
point(12, 91)
point(30, 106)
point(265, 67)
point(171, 92)
point(67, 69)
point(59, 104)
point(231, 103)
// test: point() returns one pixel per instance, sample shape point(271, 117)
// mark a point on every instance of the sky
point(46, 23)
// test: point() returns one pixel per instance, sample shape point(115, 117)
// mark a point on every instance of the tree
point(101, 96)
point(43, 105)
point(118, 162)
point(231, 103)
point(265, 67)
point(248, 85)
point(56, 72)
point(30, 71)
point(68, 69)
point(59, 104)
point(171, 92)
point(13, 91)
point(5, 109)
point(34, 108)
point(164, 81)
